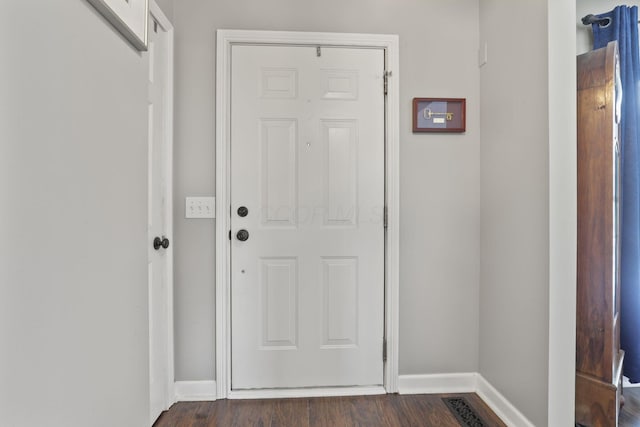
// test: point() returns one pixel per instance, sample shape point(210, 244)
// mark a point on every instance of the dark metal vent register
point(464, 412)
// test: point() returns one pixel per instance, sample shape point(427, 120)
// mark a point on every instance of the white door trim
point(227, 38)
point(166, 25)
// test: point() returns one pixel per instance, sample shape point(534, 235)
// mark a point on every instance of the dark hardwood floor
point(630, 414)
point(385, 410)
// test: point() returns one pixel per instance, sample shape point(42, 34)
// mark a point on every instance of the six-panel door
point(307, 164)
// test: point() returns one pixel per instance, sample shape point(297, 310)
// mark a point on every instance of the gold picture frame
point(439, 114)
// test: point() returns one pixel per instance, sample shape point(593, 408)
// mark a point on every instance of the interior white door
point(158, 227)
point(307, 186)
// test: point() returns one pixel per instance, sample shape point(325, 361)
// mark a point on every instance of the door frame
point(225, 40)
point(167, 158)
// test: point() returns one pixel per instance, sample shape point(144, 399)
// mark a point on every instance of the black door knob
point(165, 242)
point(242, 235)
point(160, 243)
point(243, 211)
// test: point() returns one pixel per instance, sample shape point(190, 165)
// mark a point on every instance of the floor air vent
point(464, 412)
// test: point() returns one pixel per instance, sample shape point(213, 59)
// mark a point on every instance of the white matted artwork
point(129, 17)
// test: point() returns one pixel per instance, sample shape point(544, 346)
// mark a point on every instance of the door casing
point(225, 40)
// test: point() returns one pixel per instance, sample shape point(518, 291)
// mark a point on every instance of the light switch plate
point(483, 54)
point(200, 207)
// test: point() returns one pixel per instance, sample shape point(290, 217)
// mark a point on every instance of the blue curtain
point(623, 27)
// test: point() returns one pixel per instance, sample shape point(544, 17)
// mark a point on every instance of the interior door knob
point(242, 235)
point(160, 243)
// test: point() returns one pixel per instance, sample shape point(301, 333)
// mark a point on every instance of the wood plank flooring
point(391, 410)
point(630, 414)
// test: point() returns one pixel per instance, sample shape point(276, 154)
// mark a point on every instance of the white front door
point(307, 188)
point(158, 224)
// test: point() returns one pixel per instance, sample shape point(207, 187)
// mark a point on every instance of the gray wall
point(514, 289)
point(439, 247)
point(73, 189)
point(562, 212)
point(167, 8)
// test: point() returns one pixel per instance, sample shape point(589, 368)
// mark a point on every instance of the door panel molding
point(225, 40)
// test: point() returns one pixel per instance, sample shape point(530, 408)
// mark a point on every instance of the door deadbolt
point(243, 211)
point(242, 235)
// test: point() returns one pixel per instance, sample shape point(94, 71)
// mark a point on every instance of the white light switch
point(200, 207)
point(483, 54)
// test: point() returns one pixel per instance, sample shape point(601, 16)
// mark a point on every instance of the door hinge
point(387, 74)
point(229, 234)
point(385, 218)
point(384, 350)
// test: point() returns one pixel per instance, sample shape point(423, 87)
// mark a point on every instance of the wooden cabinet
point(598, 355)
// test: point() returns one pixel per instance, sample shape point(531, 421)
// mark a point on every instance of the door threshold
point(282, 393)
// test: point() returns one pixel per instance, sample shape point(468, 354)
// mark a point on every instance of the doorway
point(263, 288)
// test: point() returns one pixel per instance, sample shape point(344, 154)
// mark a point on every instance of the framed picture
point(129, 17)
point(439, 114)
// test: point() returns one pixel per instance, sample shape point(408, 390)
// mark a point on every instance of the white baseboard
point(508, 413)
point(627, 384)
point(469, 382)
point(437, 383)
point(305, 392)
point(195, 391)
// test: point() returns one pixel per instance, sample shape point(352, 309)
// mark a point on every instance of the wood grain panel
point(389, 410)
point(598, 355)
